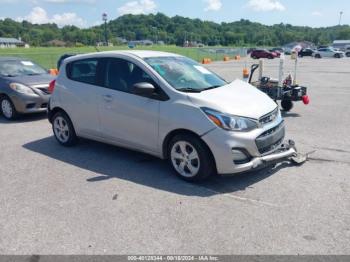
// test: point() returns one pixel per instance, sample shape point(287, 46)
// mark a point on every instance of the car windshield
point(185, 74)
point(20, 68)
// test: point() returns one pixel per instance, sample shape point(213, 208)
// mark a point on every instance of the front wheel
point(287, 105)
point(317, 56)
point(8, 110)
point(63, 129)
point(190, 158)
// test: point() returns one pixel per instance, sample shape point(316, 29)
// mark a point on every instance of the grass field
point(48, 56)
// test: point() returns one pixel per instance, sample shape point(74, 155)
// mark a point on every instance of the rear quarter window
point(84, 71)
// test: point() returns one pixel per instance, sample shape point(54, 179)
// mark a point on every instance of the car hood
point(32, 80)
point(237, 98)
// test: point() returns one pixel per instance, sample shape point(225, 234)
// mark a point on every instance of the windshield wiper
point(189, 90)
point(211, 87)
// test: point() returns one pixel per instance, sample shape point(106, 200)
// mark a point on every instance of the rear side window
point(84, 71)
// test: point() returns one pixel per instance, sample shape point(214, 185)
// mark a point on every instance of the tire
point(270, 57)
point(63, 129)
point(254, 57)
point(196, 168)
point(317, 56)
point(7, 108)
point(337, 56)
point(347, 54)
point(287, 105)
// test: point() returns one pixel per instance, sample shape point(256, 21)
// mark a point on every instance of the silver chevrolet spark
point(168, 106)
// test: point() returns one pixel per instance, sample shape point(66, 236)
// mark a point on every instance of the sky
point(86, 13)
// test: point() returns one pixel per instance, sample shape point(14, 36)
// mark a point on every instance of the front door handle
point(108, 98)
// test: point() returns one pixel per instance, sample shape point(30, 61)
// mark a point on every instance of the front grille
point(270, 139)
point(268, 118)
point(271, 131)
point(269, 148)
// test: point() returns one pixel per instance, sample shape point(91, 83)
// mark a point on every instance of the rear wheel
point(347, 54)
point(287, 105)
point(190, 158)
point(317, 56)
point(63, 129)
point(7, 108)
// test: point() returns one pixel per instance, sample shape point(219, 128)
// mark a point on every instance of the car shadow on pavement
point(111, 162)
point(24, 118)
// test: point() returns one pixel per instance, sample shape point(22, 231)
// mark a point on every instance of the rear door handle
point(108, 98)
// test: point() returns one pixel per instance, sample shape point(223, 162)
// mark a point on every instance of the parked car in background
point(347, 52)
point(23, 87)
point(169, 106)
point(263, 53)
point(328, 52)
point(323, 46)
point(277, 50)
point(251, 49)
point(306, 52)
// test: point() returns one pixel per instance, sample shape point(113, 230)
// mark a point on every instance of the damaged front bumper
point(286, 152)
point(239, 152)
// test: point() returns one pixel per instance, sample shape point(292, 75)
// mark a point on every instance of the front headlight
point(20, 88)
point(230, 122)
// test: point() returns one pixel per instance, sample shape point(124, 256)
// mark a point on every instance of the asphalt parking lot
point(100, 199)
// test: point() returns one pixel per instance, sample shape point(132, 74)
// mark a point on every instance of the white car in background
point(347, 51)
point(328, 52)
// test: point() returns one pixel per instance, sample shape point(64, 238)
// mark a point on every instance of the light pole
point(155, 34)
point(104, 19)
point(340, 17)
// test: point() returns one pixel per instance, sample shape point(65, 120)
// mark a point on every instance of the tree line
point(173, 30)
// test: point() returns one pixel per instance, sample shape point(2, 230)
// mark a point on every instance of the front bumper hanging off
point(286, 152)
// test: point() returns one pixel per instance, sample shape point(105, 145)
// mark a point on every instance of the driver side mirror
point(144, 89)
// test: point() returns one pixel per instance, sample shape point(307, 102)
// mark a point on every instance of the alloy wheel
point(185, 159)
point(6, 108)
point(61, 129)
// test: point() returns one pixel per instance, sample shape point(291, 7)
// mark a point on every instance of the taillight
point(52, 86)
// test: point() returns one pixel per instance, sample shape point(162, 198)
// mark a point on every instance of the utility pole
point(155, 35)
point(340, 17)
point(104, 19)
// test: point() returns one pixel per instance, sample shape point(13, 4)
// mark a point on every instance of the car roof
point(135, 53)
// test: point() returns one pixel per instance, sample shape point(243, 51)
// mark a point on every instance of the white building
point(11, 43)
